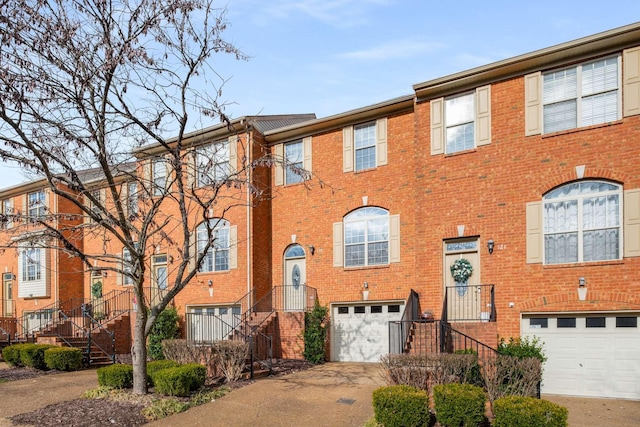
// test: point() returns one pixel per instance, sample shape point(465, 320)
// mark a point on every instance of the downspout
point(248, 149)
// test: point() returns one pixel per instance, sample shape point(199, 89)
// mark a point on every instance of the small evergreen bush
point(32, 355)
point(158, 365)
point(116, 376)
point(518, 411)
point(181, 380)
point(459, 404)
point(315, 333)
point(63, 358)
point(11, 354)
point(401, 406)
point(166, 327)
point(522, 348)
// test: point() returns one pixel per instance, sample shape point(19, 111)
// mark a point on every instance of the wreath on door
point(461, 270)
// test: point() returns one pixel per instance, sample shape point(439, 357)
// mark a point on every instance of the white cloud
point(394, 50)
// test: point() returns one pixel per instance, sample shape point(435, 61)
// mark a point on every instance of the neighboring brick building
point(524, 173)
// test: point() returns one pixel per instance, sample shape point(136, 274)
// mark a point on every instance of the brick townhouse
point(521, 175)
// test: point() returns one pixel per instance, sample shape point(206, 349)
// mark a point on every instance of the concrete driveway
point(333, 394)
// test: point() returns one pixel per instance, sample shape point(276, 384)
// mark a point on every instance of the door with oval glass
point(462, 280)
point(295, 273)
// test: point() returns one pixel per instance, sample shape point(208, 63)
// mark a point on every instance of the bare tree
point(84, 84)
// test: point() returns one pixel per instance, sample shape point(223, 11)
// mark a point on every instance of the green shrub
point(63, 358)
point(11, 354)
point(180, 381)
point(158, 365)
point(522, 348)
point(166, 327)
point(116, 376)
point(459, 404)
point(32, 355)
point(518, 411)
point(401, 406)
point(315, 333)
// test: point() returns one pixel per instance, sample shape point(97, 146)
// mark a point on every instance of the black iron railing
point(399, 332)
point(469, 303)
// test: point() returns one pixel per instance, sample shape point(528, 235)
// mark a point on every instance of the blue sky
point(331, 56)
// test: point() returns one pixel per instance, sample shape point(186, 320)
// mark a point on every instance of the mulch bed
point(109, 412)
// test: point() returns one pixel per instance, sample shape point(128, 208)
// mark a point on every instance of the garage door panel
point(592, 359)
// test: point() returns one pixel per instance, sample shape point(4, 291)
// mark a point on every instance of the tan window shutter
point(381, 142)
point(279, 153)
point(120, 276)
point(189, 169)
point(306, 148)
point(534, 233)
point(394, 238)
point(632, 223)
point(45, 259)
point(483, 115)
point(233, 154)
point(233, 247)
point(147, 183)
point(347, 150)
point(437, 126)
point(533, 104)
point(124, 197)
point(338, 257)
point(631, 81)
point(25, 211)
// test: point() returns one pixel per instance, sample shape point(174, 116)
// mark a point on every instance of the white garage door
point(360, 332)
point(595, 355)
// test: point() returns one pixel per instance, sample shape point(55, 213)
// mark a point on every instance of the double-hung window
point(7, 211)
point(31, 265)
point(582, 95)
point(212, 163)
point(216, 235)
point(293, 157)
point(35, 205)
point(582, 222)
point(460, 118)
point(364, 138)
point(126, 267)
point(159, 176)
point(132, 198)
point(366, 237)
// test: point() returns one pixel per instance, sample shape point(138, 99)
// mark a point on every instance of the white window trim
point(366, 242)
point(212, 162)
point(219, 224)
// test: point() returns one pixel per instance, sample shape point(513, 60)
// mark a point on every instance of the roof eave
point(554, 56)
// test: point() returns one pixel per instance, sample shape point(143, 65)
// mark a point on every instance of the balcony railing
point(469, 304)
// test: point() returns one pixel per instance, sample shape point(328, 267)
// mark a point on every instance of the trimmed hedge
point(401, 406)
point(459, 404)
point(518, 411)
point(63, 358)
point(158, 365)
point(116, 376)
point(11, 354)
point(181, 380)
point(32, 355)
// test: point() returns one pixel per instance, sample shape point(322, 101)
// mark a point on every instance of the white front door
point(295, 281)
point(463, 298)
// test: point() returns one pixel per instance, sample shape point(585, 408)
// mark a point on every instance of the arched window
point(217, 257)
point(582, 222)
point(294, 251)
point(366, 237)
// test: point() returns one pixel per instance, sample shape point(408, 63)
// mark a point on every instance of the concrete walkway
point(333, 394)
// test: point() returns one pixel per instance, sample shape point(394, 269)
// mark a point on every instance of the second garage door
point(594, 355)
point(360, 332)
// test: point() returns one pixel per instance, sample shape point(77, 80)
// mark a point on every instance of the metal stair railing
point(400, 331)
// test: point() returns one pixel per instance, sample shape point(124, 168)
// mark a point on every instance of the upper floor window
point(7, 211)
point(293, 157)
point(31, 264)
point(582, 222)
point(35, 205)
point(582, 95)
point(459, 122)
point(212, 163)
point(95, 205)
point(159, 176)
point(217, 235)
point(132, 198)
point(126, 267)
point(364, 137)
point(366, 237)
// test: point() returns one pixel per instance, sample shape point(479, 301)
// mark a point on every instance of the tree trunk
point(139, 354)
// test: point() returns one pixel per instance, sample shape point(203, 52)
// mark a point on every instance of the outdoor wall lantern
point(210, 283)
point(312, 249)
point(365, 291)
point(490, 245)
point(582, 288)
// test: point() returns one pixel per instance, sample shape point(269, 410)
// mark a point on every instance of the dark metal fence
point(399, 332)
point(469, 303)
